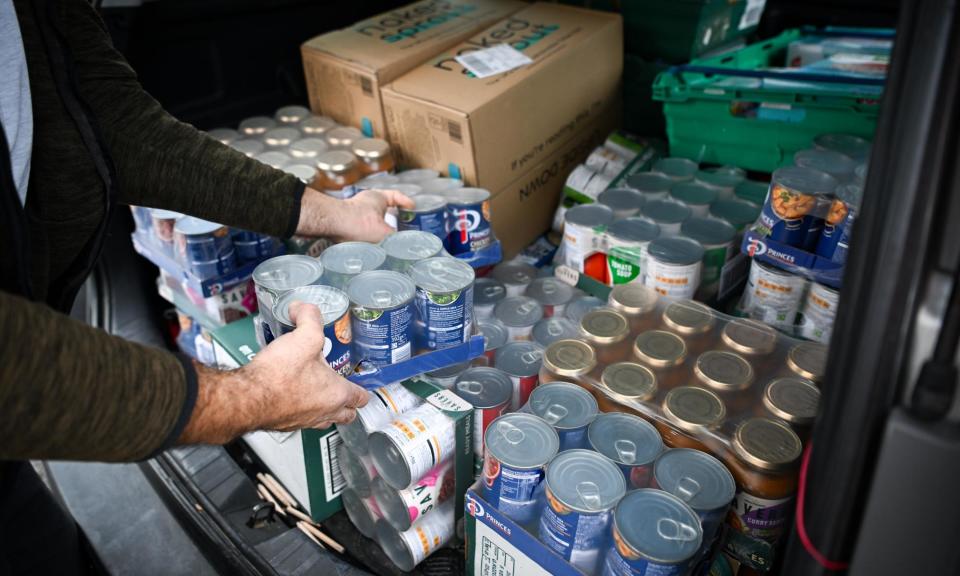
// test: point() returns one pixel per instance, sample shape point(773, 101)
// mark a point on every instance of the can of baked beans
point(630, 442)
point(444, 302)
point(834, 240)
point(521, 361)
point(344, 261)
point(468, 220)
point(382, 315)
point(337, 331)
point(674, 267)
point(568, 408)
point(517, 448)
point(429, 214)
point(818, 313)
point(408, 247)
point(789, 212)
point(772, 295)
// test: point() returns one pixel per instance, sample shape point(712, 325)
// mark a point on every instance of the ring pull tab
point(549, 288)
point(627, 451)
point(589, 494)
point(530, 357)
point(555, 413)
point(670, 529)
point(687, 488)
point(470, 387)
point(525, 308)
point(491, 291)
point(511, 433)
point(353, 265)
point(554, 329)
point(381, 298)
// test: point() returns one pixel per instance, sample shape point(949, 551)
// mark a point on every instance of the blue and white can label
point(512, 491)
point(576, 536)
point(786, 216)
point(432, 220)
point(468, 220)
point(337, 331)
point(336, 343)
point(621, 561)
point(445, 318)
point(834, 240)
point(382, 337)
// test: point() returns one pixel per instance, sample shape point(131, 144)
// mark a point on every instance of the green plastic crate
point(728, 110)
point(678, 30)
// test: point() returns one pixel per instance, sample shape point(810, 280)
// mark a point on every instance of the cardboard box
point(345, 69)
point(491, 131)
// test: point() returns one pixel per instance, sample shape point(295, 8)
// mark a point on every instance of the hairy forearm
point(228, 405)
point(318, 214)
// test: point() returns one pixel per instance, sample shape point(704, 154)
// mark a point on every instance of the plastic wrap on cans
point(772, 295)
point(411, 444)
point(445, 377)
point(486, 293)
point(382, 315)
point(440, 185)
point(489, 391)
point(697, 197)
point(629, 382)
point(838, 165)
point(337, 330)
point(515, 276)
point(674, 267)
point(568, 408)
point(273, 158)
point(251, 246)
point(789, 214)
point(292, 114)
point(580, 306)
point(316, 125)
point(549, 330)
point(281, 138)
point(603, 159)
point(676, 169)
point(342, 137)
point(736, 212)
point(552, 294)
point(582, 489)
point(277, 276)
point(248, 146)
point(362, 512)
point(716, 237)
point(256, 125)
point(834, 242)
point(402, 508)
point(521, 361)
point(141, 218)
point(468, 219)
point(652, 185)
point(304, 172)
point(203, 247)
point(630, 442)
point(417, 176)
point(664, 544)
point(163, 222)
point(625, 202)
point(519, 314)
point(429, 214)
point(410, 246)
point(667, 214)
point(724, 179)
point(846, 144)
point(308, 149)
point(793, 400)
point(342, 262)
point(444, 302)
point(495, 335)
point(587, 181)
point(382, 406)
point(517, 449)
point(358, 471)
point(627, 244)
point(749, 337)
point(633, 299)
point(225, 136)
point(409, 548)
point(808, 360)
point(583, 238)
point(569, 359)
point(819, 311)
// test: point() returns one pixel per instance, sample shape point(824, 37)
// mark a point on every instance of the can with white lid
point(515, 276)
point(519, 314)
point(445, 377)
point(256, 125)
point(489, 391)
point(568, 408)
point(819, 311)
point(343, 261)
point(521, 361)
point(549, 330)
point(382, 312)
point(402, 508)
point(418, 175)
point(281, 138)
point(486, 293)
point(204, 248)
point(248, 146)
point(583, 238)
point(412, 444)
point(316, 125)
point(495, 336)
point(293, 114)
point(337, 332)
point(440, 185)
point(716, 237)
point(383, 404)
point(667, 214)
point(630, 442)
point(625, 202)
point(736, 212)
point(518, 447)
point(582, 489)
point(468, 220)
point(274, 278)
point(358, 471)
point(444, 302)
point(674, 267)
point(429, 214)
point(410, 246)
point(627, 244)
point(308, 149)
point(652, 185)
point(429, 533)
point(382, 181)
point(363, 512)
point(342, 137)
point(675, 168)
point(305, 173)
point(772, 295)
point(665, 543)
point(697, 197)
point(551, 293)
point(273, 158)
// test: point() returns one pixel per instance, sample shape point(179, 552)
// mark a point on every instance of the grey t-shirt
point(16, 113)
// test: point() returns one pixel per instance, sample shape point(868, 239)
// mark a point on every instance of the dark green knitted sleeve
point(161, 162)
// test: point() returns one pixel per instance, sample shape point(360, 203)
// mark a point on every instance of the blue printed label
point(835, 239)
point(577, 537)
point(382, 337)
point(433, 222)
point(622, 561)
point(336, 342)
point(511, 491)
point(786, 217)
point(445, 319)
point(469, 228)
point(573, 438)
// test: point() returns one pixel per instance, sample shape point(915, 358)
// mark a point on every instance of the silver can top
point(520, 358)
point(333, 303)
point(549, 291)
point(634, 229)
point(697, 478)
point(521, 441)
point(417, 176)
point(625, 439)
point(564, 406)
point(316, 125)
point(585, 481)
point(411, 245)
point(589, 215)
point(514, 273)
point(677, 169)
point(308, 148)
point(193, 226)
point(488, 291)
point(549, 330)
point(353, 257)
point(670, 533)
point(518, 311)
point(495, 334)
point(287, 272)
point(380, 289)
point(291, 114)
point(484, 387)
point(442, 275)
point(677, 250)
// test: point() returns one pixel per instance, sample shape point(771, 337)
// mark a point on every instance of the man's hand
point(357, 218)
point(287, 386)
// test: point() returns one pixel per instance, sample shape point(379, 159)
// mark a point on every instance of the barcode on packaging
point(333, 481)
point(455, 132)
point(494, 60)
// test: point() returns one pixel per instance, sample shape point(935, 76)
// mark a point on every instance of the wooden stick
point(324, 538)
point(302, 526)
point(278, 490)
point(265, 494)
point(300, 515)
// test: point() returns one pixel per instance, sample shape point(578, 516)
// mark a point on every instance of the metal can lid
point(549, 291)
point(766, 444)
point(411, 245)
point(833, 163)
point(708, 231)
point(589, 215)
point(666, 211)
point(621, 198)
point(563, 405)
point(625, 438)
point(846, 144)
point(353, 257)
point(678, 250)
point(394, 546)
point(689, 317)
point(722, 177)
point(723, 371)
point(514, 273)
point(570, 358)
point(417, 176)
point(634, 229)
point(749, 336)
point(256, 125)
point(650, 183)
point(380, 289)
point(751, 191)
point(660, 349)
point(193, 226)
point(801, 180)
point(579, 306)
point(287, 272)
point(677, 169)
point(693, 193)
point(694, 409)
point(739, 213)
point(386, 181)
point(308, 147)
point(808, 359)
point(488, 291)
point(316, 124)
point(630, 380)
point(792, 399)
point(463, 196)
point(670, 532)
point(484, 387)
point(428, 203)
point(518, 311)
point(695, 477)
point(449, 371)
point(273, 158)
point(604, 326)
point(494, 333)
point(850, 194)
point(549, 330)
point(283, 136)
point(342, 136)
point(161, 214)
point(585, 481)
point(224, 135)
point(521, 440)
point(440, 185)
point(371, 148)
point(442, 274)
point(248, 147)
point(633, 299)
point(336, 160)
point(358, 513)
point(303, 172)
point(291, 114)
point(520, 358)
point(333, 303)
